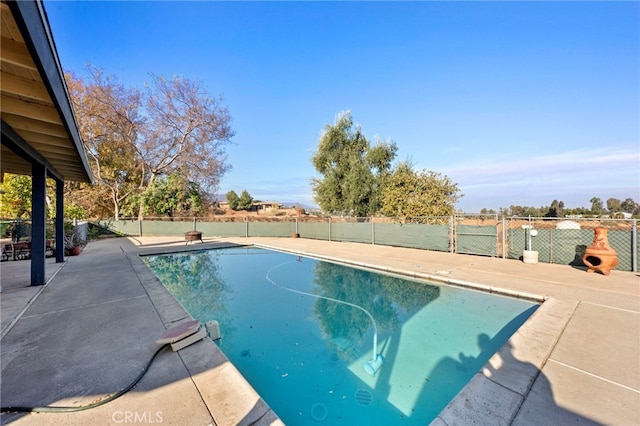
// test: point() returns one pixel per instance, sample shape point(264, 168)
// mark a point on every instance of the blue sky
point(520, 103)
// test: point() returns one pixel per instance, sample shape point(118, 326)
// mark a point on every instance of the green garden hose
point(49, 409)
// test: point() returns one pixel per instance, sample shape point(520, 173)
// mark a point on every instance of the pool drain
point(363, 397)
point(319, 412)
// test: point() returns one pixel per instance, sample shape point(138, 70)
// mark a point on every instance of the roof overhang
point(38, 124)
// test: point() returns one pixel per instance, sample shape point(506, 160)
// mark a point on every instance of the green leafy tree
point(15, 200)
point(233, 200)
point(596, 206)
point(556, 209)
point(246, 201)
point(614, 205)
point(408, 193)
point(352, 170)
point(630, 206)
point(173, 196)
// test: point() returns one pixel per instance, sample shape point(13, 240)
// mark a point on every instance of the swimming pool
point(303, 332)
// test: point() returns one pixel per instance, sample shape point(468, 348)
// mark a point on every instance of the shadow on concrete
point(494, 394)
point(577, 262)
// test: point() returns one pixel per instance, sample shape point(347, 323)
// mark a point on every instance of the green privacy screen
point(430, 237)
point(314, 230)
point(271, 229)
point(554, 245)
point(477, 239)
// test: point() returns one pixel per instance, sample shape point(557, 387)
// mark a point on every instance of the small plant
point(72, 241)
point(93, 233)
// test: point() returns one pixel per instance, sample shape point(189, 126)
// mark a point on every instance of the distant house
point(622, 215)
point(263, 205)
point(256, 207)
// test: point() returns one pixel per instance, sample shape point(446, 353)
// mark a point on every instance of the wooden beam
point(54, 142)
point(13, 163)
point(18, 86)
point(16, 53)
point(54, 156)
point(18, 145)
point(21, 123)
point(9, 26)
point(31, 110)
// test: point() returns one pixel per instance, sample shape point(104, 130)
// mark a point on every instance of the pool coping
point(229, 397)
point(497, 391)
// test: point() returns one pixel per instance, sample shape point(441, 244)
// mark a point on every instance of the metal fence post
point(329, 228)
point(373, 231)
point(297, 226)
point(452, 234)
point(497, 234)
point(634, 245)
point(246, 227)
point(140, 227)
point(504, 237)
point(194, 224)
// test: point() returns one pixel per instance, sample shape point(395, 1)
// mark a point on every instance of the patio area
point(93, 327)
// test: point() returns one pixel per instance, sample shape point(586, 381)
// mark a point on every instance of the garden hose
point(49, 409)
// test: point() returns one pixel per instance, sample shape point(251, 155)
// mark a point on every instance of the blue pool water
point(301, 331)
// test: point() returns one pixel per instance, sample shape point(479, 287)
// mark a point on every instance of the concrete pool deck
point(93, 327)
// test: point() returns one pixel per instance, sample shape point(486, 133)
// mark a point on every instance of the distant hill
point(223, 197)
point(294, 203)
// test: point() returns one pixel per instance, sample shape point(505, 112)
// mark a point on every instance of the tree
point(233, 200)
point(556, 209)
point(352, 170)
point(132, 136)
point(246, 201)
point(185, 129)
point(629, 206)
point(613, 205)
point(173, 196)
point(15, 199)
point(408, 193)
point(109, 122)
point(596, 206)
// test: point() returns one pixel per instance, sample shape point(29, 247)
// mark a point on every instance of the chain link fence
point(561, 241)
point(477, 234)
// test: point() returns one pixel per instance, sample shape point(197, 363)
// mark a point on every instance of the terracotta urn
point(599, 256)
point(74, 251)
